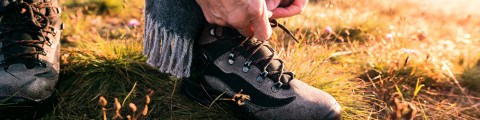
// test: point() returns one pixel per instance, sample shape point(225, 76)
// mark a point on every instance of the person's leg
point(29, 53)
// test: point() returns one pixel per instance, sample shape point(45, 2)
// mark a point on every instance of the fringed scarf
point(170, 29)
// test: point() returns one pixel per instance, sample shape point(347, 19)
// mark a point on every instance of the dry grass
point(366, 63)
point(405, 48)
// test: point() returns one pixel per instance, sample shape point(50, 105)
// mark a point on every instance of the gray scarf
point(171, 26)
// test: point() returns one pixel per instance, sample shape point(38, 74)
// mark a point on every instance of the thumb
point(261, 28)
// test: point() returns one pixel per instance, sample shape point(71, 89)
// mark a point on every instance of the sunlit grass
point(442, 45)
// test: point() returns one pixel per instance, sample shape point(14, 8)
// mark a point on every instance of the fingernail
point(269, 14)
point(269, 32)
point(270, 5)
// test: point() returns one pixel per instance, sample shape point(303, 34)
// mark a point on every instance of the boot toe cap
point(335, 114)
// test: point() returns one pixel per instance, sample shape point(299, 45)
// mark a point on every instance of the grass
point(367, 63)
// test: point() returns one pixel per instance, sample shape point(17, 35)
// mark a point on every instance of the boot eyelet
point(276, 87)
point(245, 69)
point(246, 66)
point(231, 58)
point(262, 76)
point(213, 32)
point(260, 79)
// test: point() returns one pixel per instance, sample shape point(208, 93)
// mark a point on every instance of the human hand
point(249, 17)
point(295, 8)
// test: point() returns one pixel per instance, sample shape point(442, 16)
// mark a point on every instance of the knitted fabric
point(171, 26)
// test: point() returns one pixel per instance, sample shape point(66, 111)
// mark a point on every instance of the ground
point(381, 59)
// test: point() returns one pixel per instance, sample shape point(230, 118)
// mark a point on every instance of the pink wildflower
point(328, 29)
point(389, 36)
point(408, 51)
point(133, 23)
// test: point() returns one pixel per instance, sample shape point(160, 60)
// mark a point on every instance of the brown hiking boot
point(29, 53)
point(227, 63)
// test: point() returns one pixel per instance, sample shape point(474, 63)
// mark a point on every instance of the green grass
point(357, 65)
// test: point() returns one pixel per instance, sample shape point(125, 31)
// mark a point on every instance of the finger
point(240, 21)
point(242, 27)
point(269, 14)
point(218, 20)
point(206, 14)
point(221, 22)
point(260, 23)
point(261, 29)
point(277, 3)
point(209, 18)
point(210, 14)
point(217, 12)
point(296, 8)
point(286, 12)
point(272, 4)
point(246, 31)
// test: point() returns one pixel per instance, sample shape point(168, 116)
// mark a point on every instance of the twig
point(130, 93)
point(215, 100)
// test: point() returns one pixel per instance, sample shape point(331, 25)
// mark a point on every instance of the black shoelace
point(25, 17)
point(274, 74)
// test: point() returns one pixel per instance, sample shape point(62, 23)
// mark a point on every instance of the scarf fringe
point(166, 50)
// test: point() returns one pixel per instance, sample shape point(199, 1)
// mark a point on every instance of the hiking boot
point(229, 65)
point(29, 53)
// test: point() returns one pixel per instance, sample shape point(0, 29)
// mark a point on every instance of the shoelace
point(26, 14)
point(268, 59)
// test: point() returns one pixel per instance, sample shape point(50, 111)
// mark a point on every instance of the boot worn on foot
point(29, 53)
point(226, 63)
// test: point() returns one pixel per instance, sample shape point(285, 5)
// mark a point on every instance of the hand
point(296, 8)
point(249, 17)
